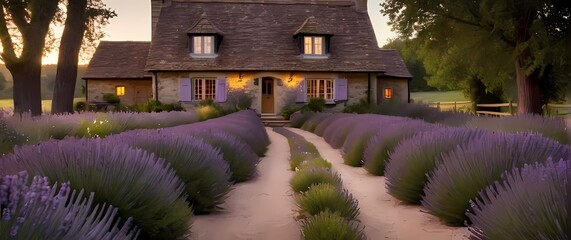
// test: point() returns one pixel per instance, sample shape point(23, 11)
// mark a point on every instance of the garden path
point(262, 208)
point(381, 214)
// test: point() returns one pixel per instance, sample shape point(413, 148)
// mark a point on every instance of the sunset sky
point(134, 20)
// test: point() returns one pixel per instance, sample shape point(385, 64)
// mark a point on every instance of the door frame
point(261, 80)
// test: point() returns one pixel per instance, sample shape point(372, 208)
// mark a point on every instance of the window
point(317, 88)
point(203, 45)
point(120, 90)
point(388, 93)
point(204, 88)
point(314, 45)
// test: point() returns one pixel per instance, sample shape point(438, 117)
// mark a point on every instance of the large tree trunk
point(72, 37)
point(27, 92)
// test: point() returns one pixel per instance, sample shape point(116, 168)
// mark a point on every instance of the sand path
point(381, 214)
point(262, 208)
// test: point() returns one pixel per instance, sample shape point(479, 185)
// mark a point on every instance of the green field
point(427, 97)
point(46, 104)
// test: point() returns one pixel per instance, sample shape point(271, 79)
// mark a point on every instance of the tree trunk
point(72, 37)
point(27, 87)
point(528, 90)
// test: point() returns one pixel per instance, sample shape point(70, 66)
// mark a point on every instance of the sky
point(133, 23)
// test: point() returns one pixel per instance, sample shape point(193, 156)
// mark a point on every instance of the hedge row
point(448, 169)
point(326, 210)
point(155, 177)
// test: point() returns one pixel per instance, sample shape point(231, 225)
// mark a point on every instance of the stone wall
point(285, 90)
point(97, 87)
point(399, 86)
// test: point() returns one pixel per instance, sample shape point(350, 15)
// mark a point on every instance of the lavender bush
point(137, 183)
point(315, 119)
point(381, 146)
point(307, 177)
point(530, 203)
point(426, 113)
point(328, 225)
point(337, 131)
point(41, 211)
point(549, 127)
point(414, 158)
point(357, 139)
point(468, 169)
point(320, 128)
point(197, 163)
point(302, 152)
point(297, 119)
point(324, 197)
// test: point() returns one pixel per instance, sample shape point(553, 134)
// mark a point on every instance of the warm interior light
point(120, 90)
point(388, 93)
point(290, 78)
point(239, 77)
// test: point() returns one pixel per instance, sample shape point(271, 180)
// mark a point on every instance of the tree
point(409, 52)
point(24, 25)
point(83, 22)
point(487, 36)
point(2, 81)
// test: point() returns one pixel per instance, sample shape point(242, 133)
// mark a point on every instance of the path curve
point(262, 208)
point(381, 214)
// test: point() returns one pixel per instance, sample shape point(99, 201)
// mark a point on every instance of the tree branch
point(18, 12)
point(8, 53)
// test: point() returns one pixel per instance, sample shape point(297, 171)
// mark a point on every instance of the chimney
point(360, 5)
point(156, 6)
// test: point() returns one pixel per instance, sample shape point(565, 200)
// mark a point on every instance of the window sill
point(207, 56)
point(313, 56)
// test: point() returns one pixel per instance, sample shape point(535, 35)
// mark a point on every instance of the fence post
point(438, 106)
point(510, 108)
point(455, 106)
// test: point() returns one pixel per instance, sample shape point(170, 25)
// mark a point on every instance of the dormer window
point(314, 45)
point(203, 45)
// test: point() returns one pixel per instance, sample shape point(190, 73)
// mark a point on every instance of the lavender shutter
point(220, 91)
point(340, 89)
point(185, 90)
point(302, 92)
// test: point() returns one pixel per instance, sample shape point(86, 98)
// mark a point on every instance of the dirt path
point(262, 208)
point(381, 214)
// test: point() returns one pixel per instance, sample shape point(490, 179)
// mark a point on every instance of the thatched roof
point(123, 59)
point(259, 36)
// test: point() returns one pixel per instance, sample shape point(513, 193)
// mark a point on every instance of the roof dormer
point(313, 39)
point(204, 38)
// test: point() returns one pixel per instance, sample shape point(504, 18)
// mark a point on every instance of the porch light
point(290, 78)
point(239, 77)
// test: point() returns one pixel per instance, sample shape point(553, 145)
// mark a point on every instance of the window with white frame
point(317, 88)
point(204, 88)
point(314, 45)
point(203, 45)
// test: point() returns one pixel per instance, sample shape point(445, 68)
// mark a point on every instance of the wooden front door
point(268, 95)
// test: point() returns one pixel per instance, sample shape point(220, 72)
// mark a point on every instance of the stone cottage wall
point(97, 87)
point(399, 86)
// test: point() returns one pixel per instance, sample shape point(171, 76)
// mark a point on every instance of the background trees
point(491, 40)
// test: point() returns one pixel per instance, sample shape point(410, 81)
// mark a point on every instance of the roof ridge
point(198, 26)
point(311, 25)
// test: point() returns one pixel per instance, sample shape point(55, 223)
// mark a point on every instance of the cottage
point(279, 52)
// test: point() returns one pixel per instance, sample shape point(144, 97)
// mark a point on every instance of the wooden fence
point(549, 109)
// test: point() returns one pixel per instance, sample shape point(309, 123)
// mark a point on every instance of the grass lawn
point(426, 97)
point(46, 104)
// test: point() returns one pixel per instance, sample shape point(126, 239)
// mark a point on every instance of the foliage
point(468, 169)
point(139, 184)
point(297, 119)
point(363, 106)
point(478, 94)
point(290, 109)
point(322, 126)
point(311, 123)
point(207, 109)
point(327, 225)
point(198, 164)
point(302, 152)
point(325, 197)
point(425, 113)
point(410, 55)
point(414, 159)
point(382, 145)
point(239, 100)
point(80, 106)
point(316, 104)
point(531, 203)
point(305, 178)
point(37, 210)
point(241, 158)
point(549, 127)
point(153, 105)
point(111, 98)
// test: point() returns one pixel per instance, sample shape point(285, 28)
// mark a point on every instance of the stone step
point(272, 120)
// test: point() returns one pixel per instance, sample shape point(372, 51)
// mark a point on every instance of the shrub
point(361, 107)
point(414, 158)
point(40, 211)
point(288, 110)
point(316, 104)
point(315, 119)
point(323, 125)
point(327, 225)
point(307, 177)
point(337, 132)
point(80, 106)
point(297, 119)
point(301, 151)
point(324, 197)
point(529, 204)
point(425, 113)
point(381, 146)
point(151, 105)
point(360, 135)
point(549, 127)
point(241, 159)
point(317, 162)
point(468, 169)
point(111, 98)
point(200, 166)
point(239, 100)
point(137, 183)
